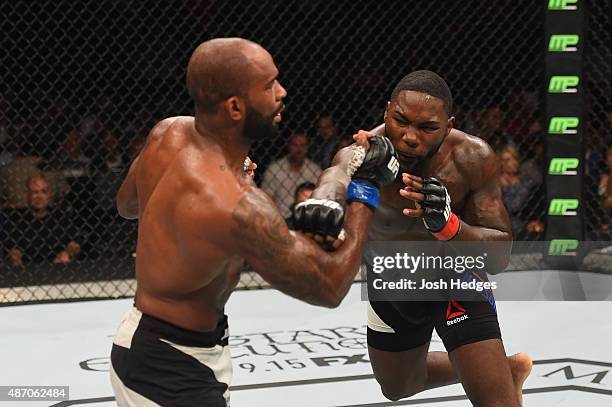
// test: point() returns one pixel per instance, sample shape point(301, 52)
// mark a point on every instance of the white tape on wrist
point(356, 160)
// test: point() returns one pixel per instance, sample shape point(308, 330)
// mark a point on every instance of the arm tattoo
point(261, 227)
point(274, 250)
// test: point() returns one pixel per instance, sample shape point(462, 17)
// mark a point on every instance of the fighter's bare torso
point(457, 164)
point(183, 276)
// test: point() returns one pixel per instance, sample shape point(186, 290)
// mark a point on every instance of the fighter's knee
point(390, 395)
point(394, 393)
point(396, 390)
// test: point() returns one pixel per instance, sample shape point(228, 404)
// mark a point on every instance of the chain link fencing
point(83, 82)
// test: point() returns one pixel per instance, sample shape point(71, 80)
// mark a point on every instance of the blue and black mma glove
point(378, 168)
point(370, 169)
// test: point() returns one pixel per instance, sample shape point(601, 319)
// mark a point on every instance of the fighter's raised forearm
point(333, 182)
point(291, 262)
point(294, 263)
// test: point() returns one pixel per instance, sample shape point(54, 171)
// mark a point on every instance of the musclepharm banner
point(564, 47)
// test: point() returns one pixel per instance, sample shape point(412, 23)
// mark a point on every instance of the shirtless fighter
point(448, 189)
point(200, 217)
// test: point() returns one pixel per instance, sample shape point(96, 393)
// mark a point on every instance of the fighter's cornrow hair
point(426, 82)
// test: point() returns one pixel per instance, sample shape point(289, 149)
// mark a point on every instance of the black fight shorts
point(404, 325)
point(154, 363)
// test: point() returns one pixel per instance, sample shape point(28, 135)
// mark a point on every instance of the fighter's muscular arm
point(291, 262)
point(333, 181)
point(484, 216)
point(296, 264)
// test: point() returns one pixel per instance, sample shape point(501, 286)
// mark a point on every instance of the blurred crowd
point(58, 177)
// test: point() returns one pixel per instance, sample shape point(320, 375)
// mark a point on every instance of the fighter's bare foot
point(520, 365)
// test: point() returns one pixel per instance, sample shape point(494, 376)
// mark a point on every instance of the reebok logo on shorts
point(455, 313)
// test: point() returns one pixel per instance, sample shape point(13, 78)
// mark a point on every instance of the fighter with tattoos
point(201, 217)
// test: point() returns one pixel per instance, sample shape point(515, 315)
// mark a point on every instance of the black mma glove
point(319, 216)
point(378, 168)
point(438, 217)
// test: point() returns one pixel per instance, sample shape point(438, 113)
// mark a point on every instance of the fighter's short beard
point(257, 127)
point(427, 157)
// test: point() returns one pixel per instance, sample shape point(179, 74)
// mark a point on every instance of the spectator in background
point(283, 176)
point(15, 173)
point(326, 140)
point(490, 129)
point(40, 233)
point(302, 193)
point(599, 211)
point(22, 161)
point(598, 172)
point(605, 183)
point(515, 189)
